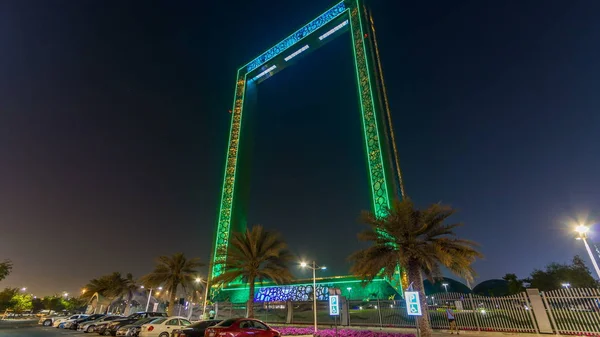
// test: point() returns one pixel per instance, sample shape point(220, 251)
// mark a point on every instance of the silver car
point(91, 325)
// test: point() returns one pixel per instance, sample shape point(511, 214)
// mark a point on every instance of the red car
point(241, 327)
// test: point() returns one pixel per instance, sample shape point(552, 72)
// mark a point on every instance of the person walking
point(451, 320)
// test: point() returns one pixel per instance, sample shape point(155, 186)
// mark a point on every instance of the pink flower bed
point(291, 331)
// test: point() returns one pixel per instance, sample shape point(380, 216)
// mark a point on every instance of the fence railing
point(573, 310)
point(569, 311)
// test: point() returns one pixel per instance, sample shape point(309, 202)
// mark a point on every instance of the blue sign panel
point(413, 304)
point(334, 305)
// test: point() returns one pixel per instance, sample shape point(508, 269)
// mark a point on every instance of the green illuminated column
point(221, 243)
point(377, 174)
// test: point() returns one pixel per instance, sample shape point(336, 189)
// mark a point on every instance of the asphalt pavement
point(40, 331)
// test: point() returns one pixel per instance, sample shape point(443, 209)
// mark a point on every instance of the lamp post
point(149, 295)
point(445, 285)
point(314, 268)
point(199, 280)
point(566, 285)
point(583, 230)
point(349, 292)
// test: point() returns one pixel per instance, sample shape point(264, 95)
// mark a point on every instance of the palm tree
point(256, 255)
point(111, 286)
point(418, 240)
point(172, 272)
point(123, 288)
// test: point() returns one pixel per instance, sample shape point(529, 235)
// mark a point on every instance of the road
point(39, 331)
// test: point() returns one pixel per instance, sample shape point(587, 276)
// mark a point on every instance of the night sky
point(114, 120)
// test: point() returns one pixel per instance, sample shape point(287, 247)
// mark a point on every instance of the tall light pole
point(199, 280)
point(445, 285)
point(583, 230)
point(314, 268)
point(149, 295)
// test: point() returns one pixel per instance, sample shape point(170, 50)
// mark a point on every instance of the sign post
point(334, 308)
point(334, 305)
point(413, 306)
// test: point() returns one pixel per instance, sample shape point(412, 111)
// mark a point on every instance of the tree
point(6, 296)
point(256, 255)
point(172, 272)
point(576, 274)
point(55, 302)
point(5, 269)
point(417, 240)
point(515, 285)
point(21, 302)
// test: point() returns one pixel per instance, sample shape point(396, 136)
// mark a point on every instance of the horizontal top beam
point(300, 34)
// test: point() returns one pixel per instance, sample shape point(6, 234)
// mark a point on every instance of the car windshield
point(203, 324)
point(227, 322)
point(146, 320)
point(158, 320)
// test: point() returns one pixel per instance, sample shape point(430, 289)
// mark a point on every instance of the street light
point(150, 295)
point(199, 280)
point(583, 230)
point(445, 285)
point(566, 285)
point(349, 292)
point(24, 289)
point(314, 268)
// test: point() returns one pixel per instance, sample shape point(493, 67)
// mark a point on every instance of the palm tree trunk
point(416, 278)
point(172, 299)
point(250, 303)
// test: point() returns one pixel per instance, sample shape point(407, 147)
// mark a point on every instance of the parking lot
point(40, 331)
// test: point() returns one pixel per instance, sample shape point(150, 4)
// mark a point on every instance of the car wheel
point(47, 322)
point(164, 334)
point(106, 332)
point(90, 329)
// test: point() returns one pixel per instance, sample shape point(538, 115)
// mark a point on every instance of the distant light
point(159, 288)
point(198, 280)
point(566, 285)
point(323, 268)
point(483, 311)
point(142, 287)
point(333, 30)
point(349, 288)
point(359, 308)
point(391, 305)
point(24, 289)
point(375, 307)
point(303, 264)
point(294, 54)
point(264, 73)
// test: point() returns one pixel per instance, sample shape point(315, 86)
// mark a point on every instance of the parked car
point(49, 320)
point(163, 327)
point(58, 322)
point(135, 328)
point(241, 327)
point(89, 326)
point(72, 324)
point(112, 327)
point(196, 329)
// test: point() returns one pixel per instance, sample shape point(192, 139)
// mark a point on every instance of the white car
point(71, 318)
point(162, 327)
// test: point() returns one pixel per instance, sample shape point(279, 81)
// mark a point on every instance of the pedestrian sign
point(413, 305)
point(334, 305)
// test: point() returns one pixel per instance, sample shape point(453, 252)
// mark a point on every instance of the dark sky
point(114, 119)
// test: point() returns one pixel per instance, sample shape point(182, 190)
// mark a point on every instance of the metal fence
point(573, 310)
point(569, 311)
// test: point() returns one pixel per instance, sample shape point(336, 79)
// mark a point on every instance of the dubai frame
point(379, 143)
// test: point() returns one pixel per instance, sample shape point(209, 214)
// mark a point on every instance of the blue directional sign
point(413, 305)
point(334, 305)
